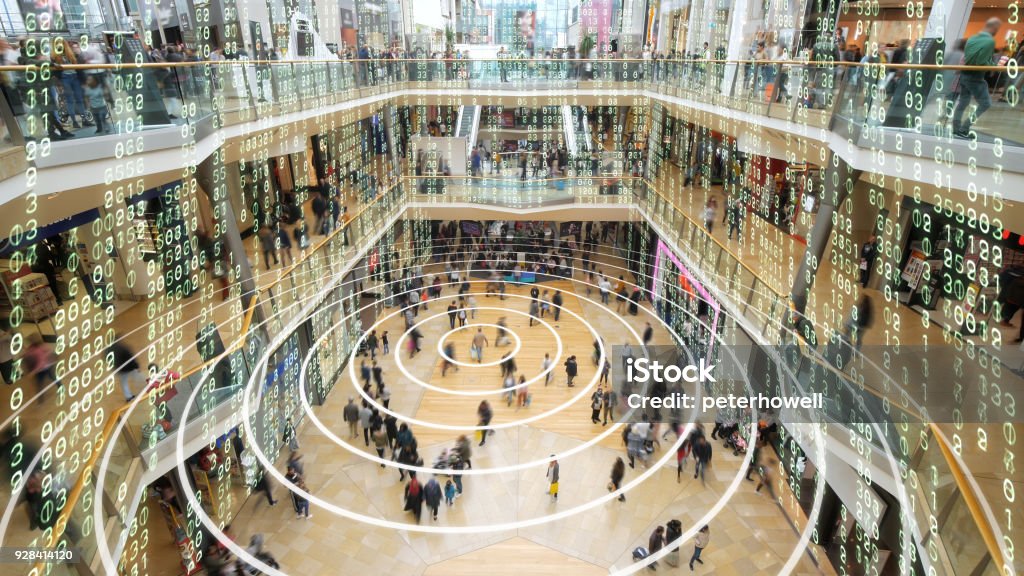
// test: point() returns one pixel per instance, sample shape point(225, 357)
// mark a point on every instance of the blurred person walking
point(553, 475)
point(618, 472)
point(700, 542)
point(432, 495)
point(978, 51)
point(126, 366)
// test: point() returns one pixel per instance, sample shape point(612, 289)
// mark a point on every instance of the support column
point(947, 20)
point(838, 182)
point(389, 125)
point(225, 225)
point(738, 45)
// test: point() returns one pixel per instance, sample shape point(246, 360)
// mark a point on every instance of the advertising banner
point(43, 15)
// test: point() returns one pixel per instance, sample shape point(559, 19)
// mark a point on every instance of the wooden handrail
point(715, 240)
point(247, 62)
point(108, 430)
point(971, 498)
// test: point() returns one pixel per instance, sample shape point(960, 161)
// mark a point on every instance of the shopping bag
point(553, 489)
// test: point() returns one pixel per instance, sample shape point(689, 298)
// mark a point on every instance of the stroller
point(737, 442)
point(363, 349)
point(441, 462)
point(448, 460)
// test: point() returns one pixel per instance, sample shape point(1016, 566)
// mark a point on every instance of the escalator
point(576, 130)
point(569, 130)
point(468, 124)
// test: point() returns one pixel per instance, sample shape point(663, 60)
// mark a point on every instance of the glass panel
point(232, 81)
point(286, 89)
point(965, 547)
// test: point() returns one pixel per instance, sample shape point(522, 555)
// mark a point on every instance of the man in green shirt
point(978, 52)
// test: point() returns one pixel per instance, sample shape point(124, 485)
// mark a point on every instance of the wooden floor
point(583, 321)
point(576, 337)
point(751, 534)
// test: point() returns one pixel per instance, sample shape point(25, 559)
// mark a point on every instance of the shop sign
point(915, 268)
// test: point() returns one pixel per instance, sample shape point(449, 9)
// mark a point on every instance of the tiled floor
point(763, 248)
point(750, 534)
point(134, 319)
point(776, 257)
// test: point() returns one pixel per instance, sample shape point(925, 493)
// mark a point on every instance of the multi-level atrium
point(367, 286)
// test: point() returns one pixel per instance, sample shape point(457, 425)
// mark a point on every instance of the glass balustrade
point(155, 421)
point(819, 95)
point(808, 369)
point(809, 94)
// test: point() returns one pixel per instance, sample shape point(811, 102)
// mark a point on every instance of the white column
point(697, 30)
point(948, 20)
point(738, 43)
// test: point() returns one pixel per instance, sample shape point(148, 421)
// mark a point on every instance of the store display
point(32, 293)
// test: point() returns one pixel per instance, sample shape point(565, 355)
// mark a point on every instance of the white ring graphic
point(416, 379)
point(240, 552)
point(582, 393)
point(245, 556)
point(440, 341)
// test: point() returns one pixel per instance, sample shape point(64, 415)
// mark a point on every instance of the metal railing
point(254, 90)
point(297, 284)
point(751, 294)
point(816, 94)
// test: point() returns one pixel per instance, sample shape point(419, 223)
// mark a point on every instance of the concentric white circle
point(417, 380)
point(372, 457)
point(241, 553)
point(584, 390)
point(797, 552)
point(440, 341)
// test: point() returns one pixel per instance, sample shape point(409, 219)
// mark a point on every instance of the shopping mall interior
point(376, 286)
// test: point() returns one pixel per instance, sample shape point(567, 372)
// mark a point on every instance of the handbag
point(611, 486)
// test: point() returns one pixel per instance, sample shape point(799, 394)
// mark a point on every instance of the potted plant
point(586, 47)
point(449, 39)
